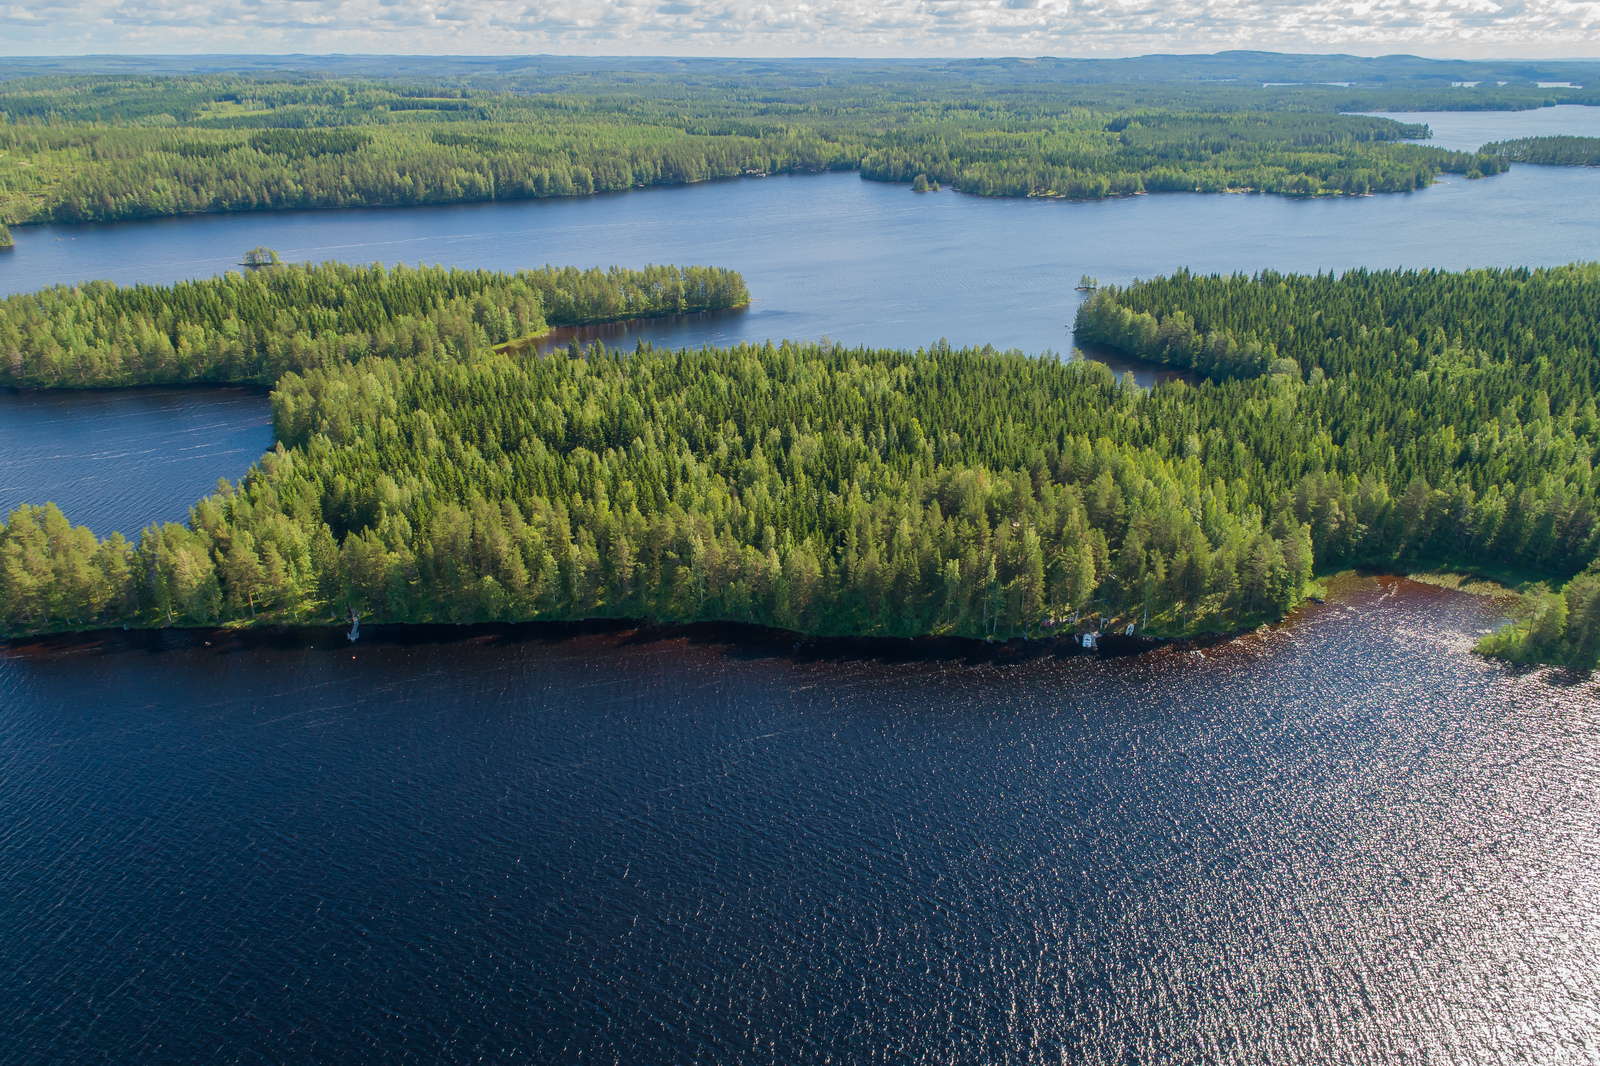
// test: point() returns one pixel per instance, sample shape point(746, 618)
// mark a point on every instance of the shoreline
point(1048, 195)
point(749, 637)
point(745, 637)
point(736, 638)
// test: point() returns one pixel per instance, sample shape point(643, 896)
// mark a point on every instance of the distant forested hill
point(96, 147)
point(1473, 80)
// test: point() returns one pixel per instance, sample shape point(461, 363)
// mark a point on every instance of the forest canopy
point(255, 326)
point(812, 487)
point(1473, 393)
point(1549, 151)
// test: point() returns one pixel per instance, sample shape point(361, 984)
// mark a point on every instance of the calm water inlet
point(119, 459)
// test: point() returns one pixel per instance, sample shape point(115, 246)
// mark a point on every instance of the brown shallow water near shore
point(1344, 839)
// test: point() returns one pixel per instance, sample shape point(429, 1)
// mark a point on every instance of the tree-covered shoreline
point(790, 485)
point(253, 327)
point(1393, 419)
point(1548, 151)
point(1476, 391)
point(96, 149)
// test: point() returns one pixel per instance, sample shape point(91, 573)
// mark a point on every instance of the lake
point(120, 459)
point(1346, 840)
point(866, 262)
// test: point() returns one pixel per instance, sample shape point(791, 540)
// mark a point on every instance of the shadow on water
point(748, 642)
point(590, 842)
point(667, 331)
point(734, 640)
point(1146, 372)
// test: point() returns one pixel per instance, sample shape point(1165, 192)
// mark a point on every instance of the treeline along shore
point(255, 326)
point(1548, 151)
point(1469, 396)
point(1396, 419)
point(102, 148)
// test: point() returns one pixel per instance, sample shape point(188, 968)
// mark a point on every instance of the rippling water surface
point(1346, 841)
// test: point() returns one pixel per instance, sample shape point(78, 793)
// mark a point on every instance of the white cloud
point(803, 27)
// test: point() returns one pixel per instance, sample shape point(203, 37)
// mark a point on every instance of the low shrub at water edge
point(1561, 628)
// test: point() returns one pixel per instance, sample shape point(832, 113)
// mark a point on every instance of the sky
point(870, 28)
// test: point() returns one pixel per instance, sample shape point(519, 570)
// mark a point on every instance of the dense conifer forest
point(1470, 395)
point(1396, 419)
point(100, 148)
point(1549, 151)
point(253, 327)
point(817, 488)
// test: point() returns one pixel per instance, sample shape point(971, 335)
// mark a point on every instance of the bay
point(1467, 131)
point(119, 459)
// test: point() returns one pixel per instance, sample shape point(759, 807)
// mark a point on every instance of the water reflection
point(1145, 372)
point(666, 331)
point(1342, 840)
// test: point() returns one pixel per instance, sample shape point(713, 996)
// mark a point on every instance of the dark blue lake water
point(1347, 841)
point(121, 459)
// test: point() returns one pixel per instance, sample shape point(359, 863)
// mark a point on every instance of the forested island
point(252, 328)
point(1548, 151)
point(1396, 419)
point(116, 147)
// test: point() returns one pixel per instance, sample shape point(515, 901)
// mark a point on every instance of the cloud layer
point(804, 27)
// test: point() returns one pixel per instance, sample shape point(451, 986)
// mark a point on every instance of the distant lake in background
point(1346, 840)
